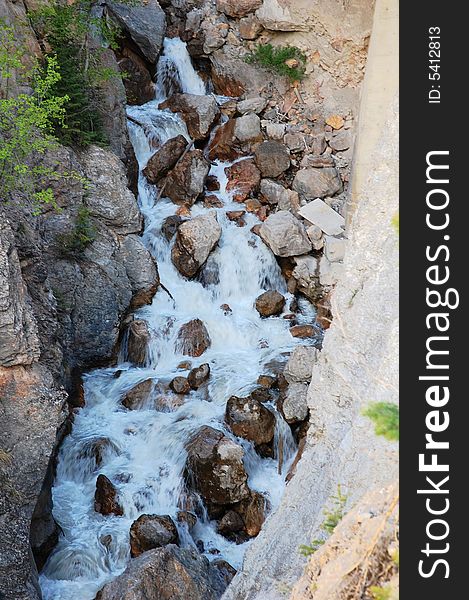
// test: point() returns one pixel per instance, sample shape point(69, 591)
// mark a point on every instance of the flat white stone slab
point(319, 213)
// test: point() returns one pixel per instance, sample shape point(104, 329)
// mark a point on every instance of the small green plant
point(68, 30)
point(381, 593)
point(284, 60)
point(82, 235)
point(385, 416)
point(27, 121)
point(395, 222)
point(332, 519)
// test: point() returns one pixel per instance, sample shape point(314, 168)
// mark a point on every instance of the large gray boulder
point(317, 183)
point(300, 364)
point(144, 23)
point(285, 234)
point(108, 198)
point(215, 466)
point(168, 573)
point(195, 240)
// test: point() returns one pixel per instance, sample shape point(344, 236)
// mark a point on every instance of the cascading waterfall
point(143, 451)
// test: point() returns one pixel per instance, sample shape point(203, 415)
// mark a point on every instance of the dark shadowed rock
point(144, 23)
point(165, 159)
point(215, 466)
point(272, 158)
point(105, 497)
point(168, 573)
point(193, 338)
point(137, 342)
point(270, 303)
point(152, 531)
point(138, 395)
point(252, 511)
point(139, 86)
point(170, 226)
point(231, 522)
point(249, 419)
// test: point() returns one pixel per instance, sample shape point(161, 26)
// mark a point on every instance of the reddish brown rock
point(199, 112)
point(270, 303)
point(223, 145)
point(238, 8)
point(137, 342)
point(193, 338)
point(243, 179)
point(252, 510)
point(303, 331)
point(180, 385)
point(250, 28)
point(237, 217)
point(138, 395)
point(105, 497)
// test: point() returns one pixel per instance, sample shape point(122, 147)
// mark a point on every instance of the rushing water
point(145, 454)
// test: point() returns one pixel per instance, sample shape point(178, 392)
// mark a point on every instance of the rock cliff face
point(67, 279)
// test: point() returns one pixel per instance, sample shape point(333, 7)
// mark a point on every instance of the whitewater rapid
point(144, 452)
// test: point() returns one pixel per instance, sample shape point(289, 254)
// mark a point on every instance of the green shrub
point(332, 519)
point(381, 593)
point(284, 60)
point(385, 416)
point(27, 122)
point(67, 30)
point(82, 235)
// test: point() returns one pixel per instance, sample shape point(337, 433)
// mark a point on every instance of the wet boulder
point(223, 145)
point(195, 240)
point(180, 385)
point(215, 467)
point(193, 338)
point(243, 179)
point(270, 303)
point(105, 497)
point(152, 531)
point(198, 112)
point(170, 226)
point(198, 376)
point(169, 573)
point(165, 159)
point(250, 419)
point(138, 395)
point(185, 183)
point(230, 523)
point(285, 234)
point(253, 512)
point(137, 342)
point(272, 158)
